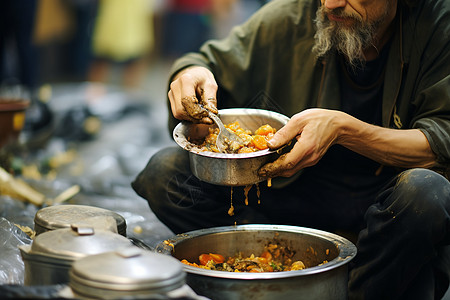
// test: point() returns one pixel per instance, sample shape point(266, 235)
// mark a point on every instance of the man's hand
point(315, 131)
point(191, 87)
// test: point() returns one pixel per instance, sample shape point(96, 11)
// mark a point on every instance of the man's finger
point(211, 104)
point(286, 165)
point(193, 108)
point(273, 169)
point(283, 136)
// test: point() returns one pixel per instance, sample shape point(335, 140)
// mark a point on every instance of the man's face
point(352, 26)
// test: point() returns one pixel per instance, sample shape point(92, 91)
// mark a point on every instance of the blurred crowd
point(48, 41)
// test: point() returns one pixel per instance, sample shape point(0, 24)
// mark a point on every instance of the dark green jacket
point(268, 63)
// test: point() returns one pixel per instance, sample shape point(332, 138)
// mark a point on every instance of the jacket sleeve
point(432, 98)
point(435, 124)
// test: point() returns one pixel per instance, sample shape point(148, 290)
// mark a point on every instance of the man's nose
point(332, 4)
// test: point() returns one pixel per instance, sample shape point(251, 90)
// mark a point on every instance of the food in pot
point(274, 258)
point(252, 141)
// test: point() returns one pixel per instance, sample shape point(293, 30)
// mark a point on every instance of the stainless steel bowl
point(327, 281)
point(229, 169)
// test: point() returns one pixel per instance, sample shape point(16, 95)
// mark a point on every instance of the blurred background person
point(123, 37)
point(186, 25)
point(225, 13)
point(228, 13)
point(78, 49)
point(17, 52)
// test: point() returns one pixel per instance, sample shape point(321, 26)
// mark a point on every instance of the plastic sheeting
point(11, 264)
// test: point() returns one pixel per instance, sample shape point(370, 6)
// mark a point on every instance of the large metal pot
point(63, 216)
point(49, 258)
point(223, 168)
point(322, 282)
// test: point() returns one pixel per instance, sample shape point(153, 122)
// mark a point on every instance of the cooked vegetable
point(252, 142)
point(274, 258)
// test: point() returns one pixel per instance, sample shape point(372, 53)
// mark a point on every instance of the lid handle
point(128, 252)
point(82, 230)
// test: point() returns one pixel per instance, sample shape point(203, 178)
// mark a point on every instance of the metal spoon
point(225, 139)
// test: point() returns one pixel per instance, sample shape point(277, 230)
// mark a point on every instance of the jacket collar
point(396, 66)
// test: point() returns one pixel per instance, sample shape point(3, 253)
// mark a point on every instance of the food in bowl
point(252, 141)
point(274, 258)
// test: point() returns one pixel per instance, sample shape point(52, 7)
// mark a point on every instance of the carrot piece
point(265, 130)
point(204, 259)
point(218, 259)
point(259, 142)
point(267, 255)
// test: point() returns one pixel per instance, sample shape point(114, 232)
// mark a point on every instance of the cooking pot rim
point(347, 250)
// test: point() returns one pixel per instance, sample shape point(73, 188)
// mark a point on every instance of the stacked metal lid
point(129, 272)
point(63, 216)
point(49, 257)
point(85, 247)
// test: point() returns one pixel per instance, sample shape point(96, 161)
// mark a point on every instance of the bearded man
point(367, 86)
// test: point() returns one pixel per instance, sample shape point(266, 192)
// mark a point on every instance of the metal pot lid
point(77, 242)
point(62, 216)
point(130, 269)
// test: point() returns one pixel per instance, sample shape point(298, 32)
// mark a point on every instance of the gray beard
point(349, 41)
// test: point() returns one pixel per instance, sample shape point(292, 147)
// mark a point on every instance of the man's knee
point(422, 201)
point(427, 188)
point(161, 167)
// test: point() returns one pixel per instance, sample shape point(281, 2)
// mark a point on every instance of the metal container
point(223, 168)
point(126, 273)
point(321, 282)
point(49, 257)
point(63, 216)
point(12, 118)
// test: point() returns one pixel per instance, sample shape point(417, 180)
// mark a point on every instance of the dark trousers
point(403, 224)
point(17, 20)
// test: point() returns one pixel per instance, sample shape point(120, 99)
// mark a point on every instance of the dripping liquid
point(247, 189)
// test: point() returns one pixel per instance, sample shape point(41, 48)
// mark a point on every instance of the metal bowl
point(326, 281)
point(229, 169)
